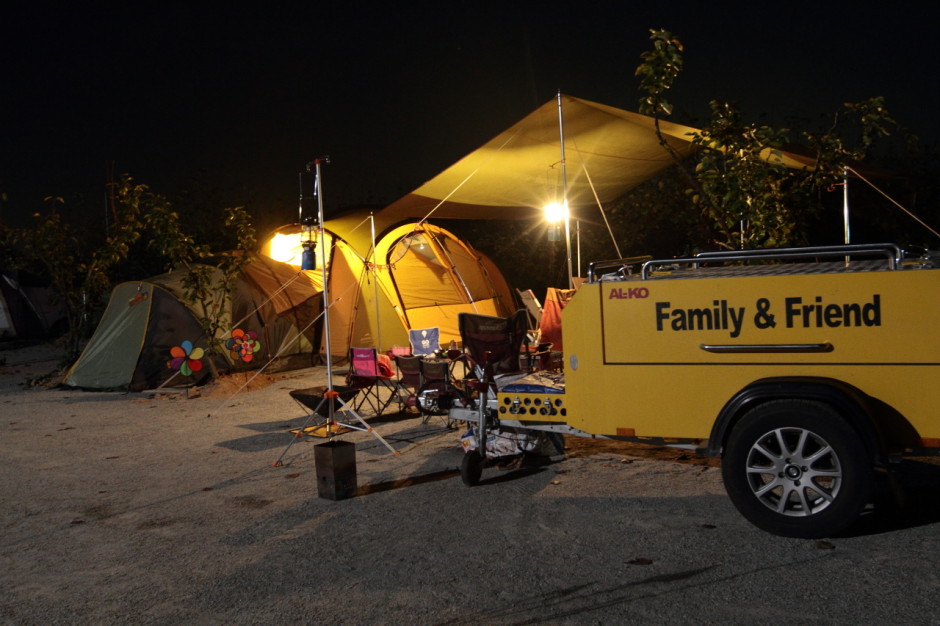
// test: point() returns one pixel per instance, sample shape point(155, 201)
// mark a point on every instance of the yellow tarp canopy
point(518, 172)
point(608, 152)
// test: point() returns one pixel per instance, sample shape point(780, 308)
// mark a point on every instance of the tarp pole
point(577, 233)
point(330, 392)
point(564, 183)
point(318, 189)
point(300, 202)
point(375, 284)
point(452, 267)
point(845, 206)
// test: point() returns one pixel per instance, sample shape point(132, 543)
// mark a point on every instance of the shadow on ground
point(277, 434)
point(916, 504)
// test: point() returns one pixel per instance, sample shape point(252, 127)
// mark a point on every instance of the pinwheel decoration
point(185, 358)
point(244, 344)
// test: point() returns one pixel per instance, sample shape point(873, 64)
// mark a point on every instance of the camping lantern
point(309, 259)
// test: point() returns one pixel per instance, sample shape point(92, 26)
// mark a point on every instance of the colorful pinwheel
point(244, 344)
point(185, 358)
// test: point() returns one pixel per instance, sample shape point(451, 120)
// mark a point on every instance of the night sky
point(395, 93)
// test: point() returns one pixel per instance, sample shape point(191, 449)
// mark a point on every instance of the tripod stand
point(332, 399)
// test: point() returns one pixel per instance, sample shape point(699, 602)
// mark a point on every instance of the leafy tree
point(740, 181)
point(207, 285)
point(80, 268)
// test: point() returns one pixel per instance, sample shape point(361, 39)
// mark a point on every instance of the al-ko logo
point(619, 293)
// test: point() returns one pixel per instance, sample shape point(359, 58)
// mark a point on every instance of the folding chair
point(537, 357)
point(409, 378)
point(437, 391)
point(532, 305)
point(425, 341)
point(494, 343)
point(397, 351)
point(370, 373)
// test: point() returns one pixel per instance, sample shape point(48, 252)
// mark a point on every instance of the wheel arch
point(851, 403)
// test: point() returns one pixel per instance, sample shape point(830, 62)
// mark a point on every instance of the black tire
point(471, 468)
point(795, 468)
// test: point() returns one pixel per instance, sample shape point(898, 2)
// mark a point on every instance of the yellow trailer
point(804, 369)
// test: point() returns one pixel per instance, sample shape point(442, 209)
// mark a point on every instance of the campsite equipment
point(493, 346)
point(371, 373)
point(336, 469)
point(796, 365)
point(338, 415)
point(410, 276)
point(318, 403)
point(268, 319)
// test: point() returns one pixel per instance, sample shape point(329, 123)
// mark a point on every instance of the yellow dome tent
point(418, 275)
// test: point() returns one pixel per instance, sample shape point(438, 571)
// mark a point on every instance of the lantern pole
point(845, 206)
point(564, 183)
point(330, 396)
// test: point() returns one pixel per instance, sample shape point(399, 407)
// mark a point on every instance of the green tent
point(272, 313)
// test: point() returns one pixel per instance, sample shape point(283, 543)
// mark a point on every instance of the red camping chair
point(370, 373)
point(409, 377)
point(397, 351)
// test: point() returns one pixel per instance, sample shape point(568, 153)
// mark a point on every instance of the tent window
point(417, 245)
point(469, 269)
point(420, 276)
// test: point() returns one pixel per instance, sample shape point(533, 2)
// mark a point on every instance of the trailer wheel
point(471, 468)
point(796, 468)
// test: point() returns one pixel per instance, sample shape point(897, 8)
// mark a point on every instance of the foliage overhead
point(80, 267)
point(739, 182)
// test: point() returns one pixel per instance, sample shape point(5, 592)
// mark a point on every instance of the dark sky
point(396, 92)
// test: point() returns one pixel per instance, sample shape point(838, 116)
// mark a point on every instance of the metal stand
point(330, 394)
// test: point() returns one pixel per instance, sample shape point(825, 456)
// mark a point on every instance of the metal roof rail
point(891, 252)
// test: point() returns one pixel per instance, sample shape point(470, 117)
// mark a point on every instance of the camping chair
point(493, 343)
point(370, 373)
point(425, 384)
point(425, 341)
point(409, 378)
point(437, 390)
point(539, 357)
point(397, 351)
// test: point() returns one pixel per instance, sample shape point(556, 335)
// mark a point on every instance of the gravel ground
point(166, 509)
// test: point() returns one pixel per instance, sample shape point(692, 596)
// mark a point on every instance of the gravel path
point(165, 509)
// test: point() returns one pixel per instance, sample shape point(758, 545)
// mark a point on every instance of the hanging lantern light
point(308, 241)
